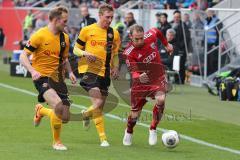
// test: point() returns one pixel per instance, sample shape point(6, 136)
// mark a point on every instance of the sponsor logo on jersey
point(150, 57)
point(98, 43)
point(49, 53)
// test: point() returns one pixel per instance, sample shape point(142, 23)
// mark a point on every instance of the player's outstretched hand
point(90, 57)
point(169, 48)
point(115, 73)
point(73, 78)
point(144, 78)
point(35, 75)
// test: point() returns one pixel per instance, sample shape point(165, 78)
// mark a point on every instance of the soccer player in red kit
point(148, 78)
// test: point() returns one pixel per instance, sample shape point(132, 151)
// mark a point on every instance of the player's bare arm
point(25, 62)
point(72, 77)
point(115, 67)
point(162, 38)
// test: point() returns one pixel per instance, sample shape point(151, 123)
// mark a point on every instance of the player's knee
point(56, 119)
point(160, 100)
point(58, 109)
point(134, 114)
point(65, 114)
point(99, 103)
point(65, 118)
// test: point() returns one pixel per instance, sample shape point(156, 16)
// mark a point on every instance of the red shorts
point(141, 92)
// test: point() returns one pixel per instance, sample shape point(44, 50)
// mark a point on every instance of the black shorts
point(91, 80)
point(45, 83)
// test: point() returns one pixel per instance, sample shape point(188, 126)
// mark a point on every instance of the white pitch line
point(191, 139)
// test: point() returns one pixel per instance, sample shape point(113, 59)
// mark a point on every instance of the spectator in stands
point(29, 32)
point(212, 40)
point(22, 43)
point(197, 22)
point(19, 2)
point(198, 27)
point(95, 4)
point(129, 21)
point(75, 3)
point(162, 23)
point(171, 4)
point(119, 26)
point(182, 40)
point(166, 58)
point(28, 21)
point(41, 21)
point(185, 3)
point(199, 5)
point(171, 38)
point(213, 2)
point(114, 3)
point(87, 20)
point(187, 21)
point(73, 35)
point(2, 38)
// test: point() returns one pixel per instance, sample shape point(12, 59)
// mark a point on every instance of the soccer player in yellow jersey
point(44, 45)
point(97, 46)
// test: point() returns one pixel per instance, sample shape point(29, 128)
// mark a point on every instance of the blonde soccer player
point(49, 47)
point(97, 46)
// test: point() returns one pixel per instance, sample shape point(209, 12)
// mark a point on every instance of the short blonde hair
point(105, 7)
point(57, 12)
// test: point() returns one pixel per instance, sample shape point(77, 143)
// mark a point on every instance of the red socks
point(131, 123)
point(157, 115)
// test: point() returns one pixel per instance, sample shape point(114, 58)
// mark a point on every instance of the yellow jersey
point(45, 47)
point(93, 39)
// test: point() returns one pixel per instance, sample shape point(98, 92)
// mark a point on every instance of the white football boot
point(152, 140)
point(59, 147)
point(104, 144)
point(127, 139)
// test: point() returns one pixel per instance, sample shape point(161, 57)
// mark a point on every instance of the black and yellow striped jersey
point(93, 39)
point(45, 47)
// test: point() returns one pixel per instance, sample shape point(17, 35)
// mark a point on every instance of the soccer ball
point(170, 139)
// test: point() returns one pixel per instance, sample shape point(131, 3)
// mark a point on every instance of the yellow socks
point(97, 117)
point(89, 112)
point(56, 126)
point(99, 123)
point(45, 111)
point(55, 122)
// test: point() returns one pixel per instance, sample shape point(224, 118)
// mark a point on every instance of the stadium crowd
point(155, 4)
point(176, 31)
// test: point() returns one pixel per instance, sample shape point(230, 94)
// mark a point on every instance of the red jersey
point(146, 59)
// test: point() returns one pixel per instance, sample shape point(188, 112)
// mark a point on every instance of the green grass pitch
point(193, 113)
